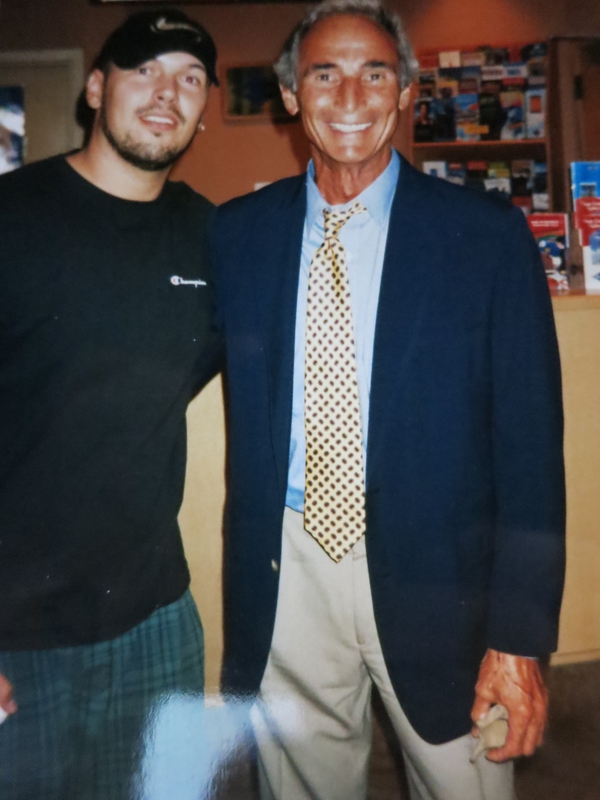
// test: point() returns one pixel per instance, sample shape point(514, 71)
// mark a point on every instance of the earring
point(201, 127)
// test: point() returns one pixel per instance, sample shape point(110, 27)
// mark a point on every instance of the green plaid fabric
point(79, 729)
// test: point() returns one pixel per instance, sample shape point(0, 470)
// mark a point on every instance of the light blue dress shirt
point(364, 237)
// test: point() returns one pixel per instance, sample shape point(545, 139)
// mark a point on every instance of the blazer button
point(274, 566)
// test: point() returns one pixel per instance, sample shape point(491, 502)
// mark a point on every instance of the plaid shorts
point(79, 730)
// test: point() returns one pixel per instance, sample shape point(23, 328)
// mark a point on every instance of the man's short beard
point(140, 155)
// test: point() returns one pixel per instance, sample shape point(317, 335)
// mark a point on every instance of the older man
point(396, 504)
point(105, 335)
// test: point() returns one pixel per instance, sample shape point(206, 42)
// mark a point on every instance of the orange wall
point(227, 160)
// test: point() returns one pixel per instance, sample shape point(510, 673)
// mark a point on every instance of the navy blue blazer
point(465, 484)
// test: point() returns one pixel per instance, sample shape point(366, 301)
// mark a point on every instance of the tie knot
point(335, 220)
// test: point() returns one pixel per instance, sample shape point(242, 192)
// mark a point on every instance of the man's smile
point(162, 120)
point(346, 127)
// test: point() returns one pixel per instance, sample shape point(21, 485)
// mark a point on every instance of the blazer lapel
point(276, 298)
point(403, 295)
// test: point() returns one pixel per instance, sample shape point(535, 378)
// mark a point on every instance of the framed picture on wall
point(251, 94)
point(12, 127)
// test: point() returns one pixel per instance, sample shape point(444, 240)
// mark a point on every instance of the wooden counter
point(578, 324)
point(201, 518)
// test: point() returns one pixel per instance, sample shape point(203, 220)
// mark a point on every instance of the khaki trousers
point(312, 719)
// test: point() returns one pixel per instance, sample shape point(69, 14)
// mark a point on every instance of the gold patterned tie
point(334, 499)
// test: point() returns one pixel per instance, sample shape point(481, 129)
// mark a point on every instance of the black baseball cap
point(149, 34)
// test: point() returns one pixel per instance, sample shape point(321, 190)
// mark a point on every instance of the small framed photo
point(251, 94)
point(12, 127)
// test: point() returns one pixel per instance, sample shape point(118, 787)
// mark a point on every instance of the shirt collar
point(377, 197)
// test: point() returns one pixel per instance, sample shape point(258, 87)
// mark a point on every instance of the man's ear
point(404, 100)
point(94, 89)
point(290, 101)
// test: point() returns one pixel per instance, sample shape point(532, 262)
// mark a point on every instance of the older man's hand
point(517, 683)
point(6, 696)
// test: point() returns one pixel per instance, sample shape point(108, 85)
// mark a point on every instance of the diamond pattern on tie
point(334, 499)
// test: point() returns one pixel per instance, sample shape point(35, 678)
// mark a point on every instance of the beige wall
point(228, 159)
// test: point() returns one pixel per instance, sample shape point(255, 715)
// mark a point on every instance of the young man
point(105, 336)
point(396, 499)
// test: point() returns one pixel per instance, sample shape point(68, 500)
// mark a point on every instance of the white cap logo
point(162, 25)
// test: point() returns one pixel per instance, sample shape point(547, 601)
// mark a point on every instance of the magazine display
point(585, 187)
point(486, 94)
point(551, 232)
point(522, 181)
point(535, 113)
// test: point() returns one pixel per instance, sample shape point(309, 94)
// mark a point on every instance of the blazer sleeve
point(527, 429)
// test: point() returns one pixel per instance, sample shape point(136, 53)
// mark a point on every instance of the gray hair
point(286, 66)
